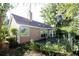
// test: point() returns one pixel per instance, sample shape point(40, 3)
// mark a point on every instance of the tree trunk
point(0, 44)
point(0, 21)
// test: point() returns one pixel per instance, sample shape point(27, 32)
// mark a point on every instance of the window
point(44, 33)
point(24, 31)
point(50, 33)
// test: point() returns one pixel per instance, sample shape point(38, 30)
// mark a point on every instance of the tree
point(48, 13)
point(63, 17)
point(4, 7)
point(68, 11)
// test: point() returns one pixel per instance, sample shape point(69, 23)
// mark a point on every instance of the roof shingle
point(22, 20)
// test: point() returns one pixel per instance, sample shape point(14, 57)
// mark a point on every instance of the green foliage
point(68, 23)
point(67, 11)
point(71, 10)
point(33, 45)
point(3, 33)
point(48, 13)
point(48, 48)
point(3, 30)
point(4, 7)
point(75, 26)
point(12, 41)
point(14, 31)
point(53, 49)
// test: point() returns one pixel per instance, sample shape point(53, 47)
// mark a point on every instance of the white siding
point(13, 25)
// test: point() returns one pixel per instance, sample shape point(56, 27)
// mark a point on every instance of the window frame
point(44, 32)
point(27, 32)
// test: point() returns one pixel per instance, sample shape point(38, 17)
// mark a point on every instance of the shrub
point(53, 49)
point(14, 31)
point(33, 45)
point(26, 46)
point(47, 49)
point(12, 41)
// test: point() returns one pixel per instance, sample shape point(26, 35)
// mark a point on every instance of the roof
point(22, 20)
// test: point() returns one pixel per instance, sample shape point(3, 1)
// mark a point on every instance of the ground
point(14, 52)
point(33, 53)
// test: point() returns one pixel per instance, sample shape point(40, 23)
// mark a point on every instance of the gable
point(13, 24)
point(25, 21)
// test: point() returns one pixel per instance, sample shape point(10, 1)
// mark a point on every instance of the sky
point(21, 9)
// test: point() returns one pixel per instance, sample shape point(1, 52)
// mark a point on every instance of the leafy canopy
point(4, 7)
point(66, 12)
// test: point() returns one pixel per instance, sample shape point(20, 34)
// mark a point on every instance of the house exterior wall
point(24, 40)
point(35, 33)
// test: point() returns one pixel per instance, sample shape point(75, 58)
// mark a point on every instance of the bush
point(47, 49)
point(26, 46)
point(12, 42)
point(33, 45)
point(14, 31)
point(52, 49)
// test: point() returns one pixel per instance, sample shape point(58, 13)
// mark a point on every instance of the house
point(28, 29)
